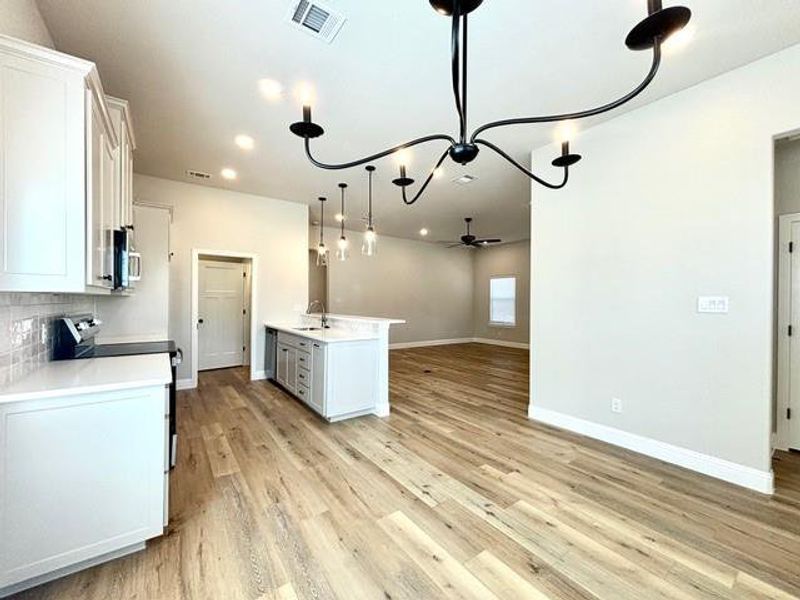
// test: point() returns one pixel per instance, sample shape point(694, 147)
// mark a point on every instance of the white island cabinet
point(84, 470)
point(340, 372)
point(338, 379)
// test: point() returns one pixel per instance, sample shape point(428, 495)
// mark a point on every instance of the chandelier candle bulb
point(306, 113)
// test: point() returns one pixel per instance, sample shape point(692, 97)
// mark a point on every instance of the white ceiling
point(190, 70)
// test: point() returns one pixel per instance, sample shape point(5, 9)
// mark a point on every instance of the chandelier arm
point(455, 53)
point(547, 184)
point(379, 155)
point(581, 114)
point(421, 191)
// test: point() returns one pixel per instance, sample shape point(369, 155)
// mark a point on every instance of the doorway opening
point(787, 294)
point(223, 297)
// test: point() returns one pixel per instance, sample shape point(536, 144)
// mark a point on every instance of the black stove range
point(74, 339)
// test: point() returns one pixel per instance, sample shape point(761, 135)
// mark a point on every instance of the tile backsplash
point(26, 326)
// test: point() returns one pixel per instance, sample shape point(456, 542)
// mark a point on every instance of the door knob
point(200, 321)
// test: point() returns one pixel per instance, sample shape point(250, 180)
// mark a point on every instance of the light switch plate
point(713, 304)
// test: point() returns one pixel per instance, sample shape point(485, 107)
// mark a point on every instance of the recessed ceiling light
point(423, 232)
point(245, 142)
point(270, 89)
point(464, 179)
point(339, 217)
point(228, 173)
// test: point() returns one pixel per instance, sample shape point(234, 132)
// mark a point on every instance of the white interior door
point(794, 339)
point(220, 318)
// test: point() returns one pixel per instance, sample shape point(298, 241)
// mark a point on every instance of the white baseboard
point(754, 479)
point(258, 375)
point(403, 345)
point(185, 384)
point(501, 343)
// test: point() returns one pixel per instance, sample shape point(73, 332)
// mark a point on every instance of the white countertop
point(378, 320)
point(327, 336)
point(90, 375)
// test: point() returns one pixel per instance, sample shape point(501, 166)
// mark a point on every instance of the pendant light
point(370, 245)
point(342, 246)
point(322, 250)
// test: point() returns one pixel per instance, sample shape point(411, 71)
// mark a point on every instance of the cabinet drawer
point(300, 343)
point(303, 392)
point(303, 360)
point(304, 377)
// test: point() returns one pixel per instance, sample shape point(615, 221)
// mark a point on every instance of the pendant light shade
point(322, 250)
point(369, 246)
point(343, 245)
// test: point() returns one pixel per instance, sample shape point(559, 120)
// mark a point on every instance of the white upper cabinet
point(42, 175)
point(65, 172)
point(123, 126)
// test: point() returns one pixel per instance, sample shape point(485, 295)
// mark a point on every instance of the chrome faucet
point(323, 315)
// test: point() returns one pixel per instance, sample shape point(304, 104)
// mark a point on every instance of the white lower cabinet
point(82, 478)
point(338, 380)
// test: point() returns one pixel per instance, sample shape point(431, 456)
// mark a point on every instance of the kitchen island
point(340, 371)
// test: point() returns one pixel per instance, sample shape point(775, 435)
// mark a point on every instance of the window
point(503, 301)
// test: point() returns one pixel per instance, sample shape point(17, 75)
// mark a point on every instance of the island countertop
point(327, 336)
point(90, 375)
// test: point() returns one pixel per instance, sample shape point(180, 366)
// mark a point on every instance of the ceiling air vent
point(192, 174)
point(315, 19)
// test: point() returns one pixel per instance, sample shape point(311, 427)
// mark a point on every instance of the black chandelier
point(649, 34)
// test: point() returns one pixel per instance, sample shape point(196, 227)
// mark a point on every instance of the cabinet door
point(41, 176)
point(100, 199)
point(282, 364)
point(318, 378)
point(81, 476)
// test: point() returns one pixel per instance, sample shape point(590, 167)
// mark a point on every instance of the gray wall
point(22, 19)
point(428, 285)
point(506, 259)
point(673, 201)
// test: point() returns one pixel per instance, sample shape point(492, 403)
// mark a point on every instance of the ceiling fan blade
point(488, 241)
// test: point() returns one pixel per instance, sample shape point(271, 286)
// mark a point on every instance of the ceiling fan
point(471, 241)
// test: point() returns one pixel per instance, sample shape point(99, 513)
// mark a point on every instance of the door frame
point(195, 308)
point(783, 371)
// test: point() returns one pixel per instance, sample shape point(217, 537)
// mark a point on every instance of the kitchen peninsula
point(337, 365)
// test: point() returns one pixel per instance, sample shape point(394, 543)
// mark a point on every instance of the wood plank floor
point(456, 495)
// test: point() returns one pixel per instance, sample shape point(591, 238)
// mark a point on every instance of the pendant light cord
point(370, 170)
point(342, 186)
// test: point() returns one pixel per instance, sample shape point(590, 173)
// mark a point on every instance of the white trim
point(494, 342)
point(253, 258)
point(754, 479)
point(783, 373)
point(258, 375)
point(185, 384)
point(425, 344)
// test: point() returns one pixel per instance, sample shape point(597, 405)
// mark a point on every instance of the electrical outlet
point(616, 405)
